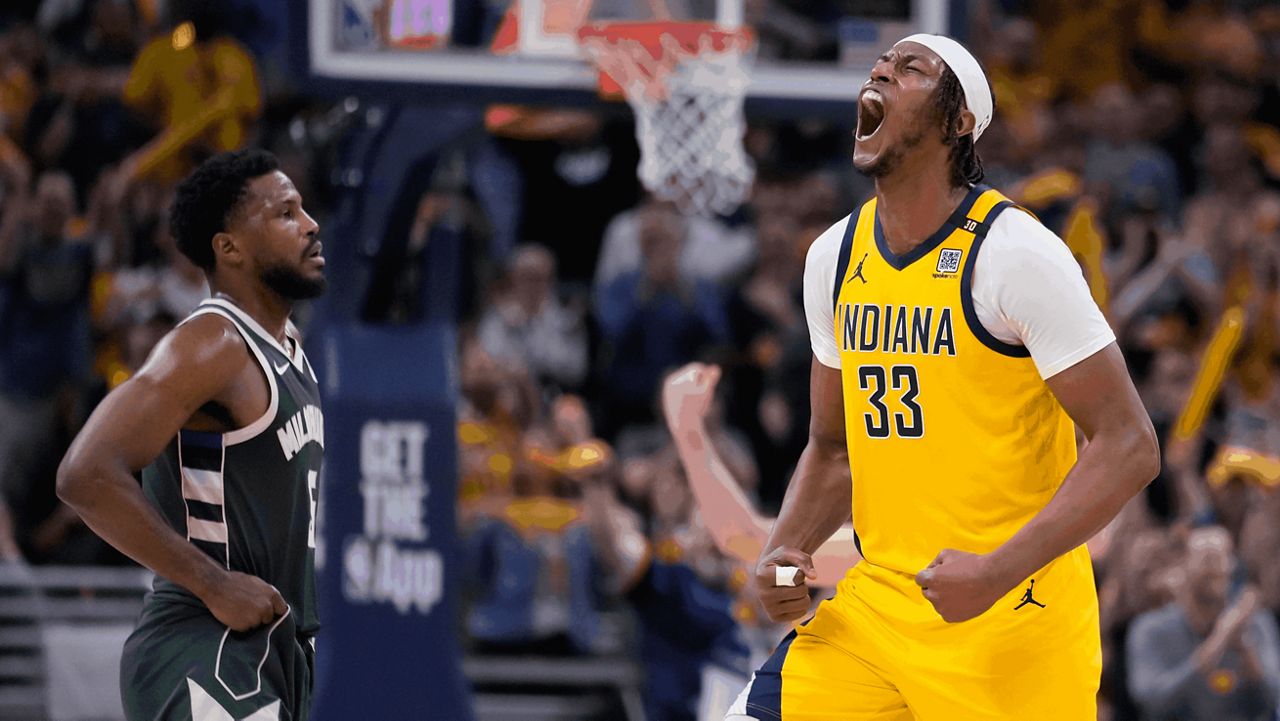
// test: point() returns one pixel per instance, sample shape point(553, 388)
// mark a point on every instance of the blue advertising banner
point(385, 542)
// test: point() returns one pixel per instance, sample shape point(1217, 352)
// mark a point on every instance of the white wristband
point(785, 575)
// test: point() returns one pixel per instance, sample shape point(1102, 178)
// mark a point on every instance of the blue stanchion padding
point(385, 545)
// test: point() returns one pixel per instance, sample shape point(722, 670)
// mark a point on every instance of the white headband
point(977, 91)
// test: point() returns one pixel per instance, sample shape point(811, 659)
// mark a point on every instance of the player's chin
point(875, 157)
point(319, 284)
point(314, 284)
point(866, 159)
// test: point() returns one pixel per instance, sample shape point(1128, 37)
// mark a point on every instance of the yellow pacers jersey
point(954, 439)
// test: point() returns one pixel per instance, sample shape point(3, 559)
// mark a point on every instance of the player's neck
point(913, 205)
point(265, 306)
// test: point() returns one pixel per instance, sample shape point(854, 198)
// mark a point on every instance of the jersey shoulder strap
point(982, 214)
point(846, 248)
point(981, 217)
point(255, 350)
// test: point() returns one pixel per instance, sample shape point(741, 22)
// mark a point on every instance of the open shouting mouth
point(870, 113)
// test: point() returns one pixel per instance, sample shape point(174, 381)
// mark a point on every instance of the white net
point(689, 121)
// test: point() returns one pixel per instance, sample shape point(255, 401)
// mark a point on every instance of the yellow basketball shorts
point(878, 651)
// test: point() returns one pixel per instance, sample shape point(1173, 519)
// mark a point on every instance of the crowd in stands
point(1146, 134)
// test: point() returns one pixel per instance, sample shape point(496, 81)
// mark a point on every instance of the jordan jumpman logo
point(857, 272)
point(1026, 597)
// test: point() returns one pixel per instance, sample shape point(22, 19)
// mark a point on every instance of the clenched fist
point(243, 602)
point(687, 393)
point(962, 585)
point(784, 603)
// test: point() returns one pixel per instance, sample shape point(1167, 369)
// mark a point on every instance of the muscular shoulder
point(206, 351)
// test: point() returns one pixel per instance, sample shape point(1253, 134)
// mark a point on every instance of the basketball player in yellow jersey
point(955, 343)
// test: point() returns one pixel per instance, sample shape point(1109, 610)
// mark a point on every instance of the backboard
point(495, 50)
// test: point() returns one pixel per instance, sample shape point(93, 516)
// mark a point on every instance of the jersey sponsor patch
point(949, 260)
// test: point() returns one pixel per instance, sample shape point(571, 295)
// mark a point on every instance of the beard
point(891, 158)
point(289, 284)
point(884, 165)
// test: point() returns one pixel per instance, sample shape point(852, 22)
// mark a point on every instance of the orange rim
point(689, 35)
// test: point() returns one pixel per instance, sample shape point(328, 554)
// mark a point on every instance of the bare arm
point(1121, 458)
point(734, 524)
point(198, 362)
point(738, 529)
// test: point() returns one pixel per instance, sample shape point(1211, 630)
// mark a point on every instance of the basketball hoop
point(685, 81)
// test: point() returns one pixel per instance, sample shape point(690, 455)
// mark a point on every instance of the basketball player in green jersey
point(224, 421)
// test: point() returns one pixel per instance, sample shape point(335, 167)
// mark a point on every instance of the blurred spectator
point(684, 593)
point(1259, 539)
point(526, 320)
point(1217, 100)
point(46, 265)
point(1203, 32)
point(538, 575)
point(653, 319)
point(200, 84)
point(1056, 194)
point(1085, 43)
point(21, 58)
point(1135, 580)
point(499, 404)
point(784, 416)
point(534, 570)
point(763, 311)
point(1133, 175)
point(174, 287)
point(80, 123)
point(1212, 654)
point(1167, 122)
point(1018, 79)
point(112, 38)
point(1234, 216)
point(1164, 281)
point(707, 250)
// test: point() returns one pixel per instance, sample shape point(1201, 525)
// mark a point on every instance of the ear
point(227, 249)
point(967, 123)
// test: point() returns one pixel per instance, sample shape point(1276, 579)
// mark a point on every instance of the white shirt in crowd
point(711, 251)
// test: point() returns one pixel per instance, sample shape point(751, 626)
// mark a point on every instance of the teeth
point(872, 101)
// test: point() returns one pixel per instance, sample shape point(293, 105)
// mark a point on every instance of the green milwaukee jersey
point(248, 498)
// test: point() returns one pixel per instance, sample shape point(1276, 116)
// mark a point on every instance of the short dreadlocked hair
point(966, 166)
point(206, 200)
